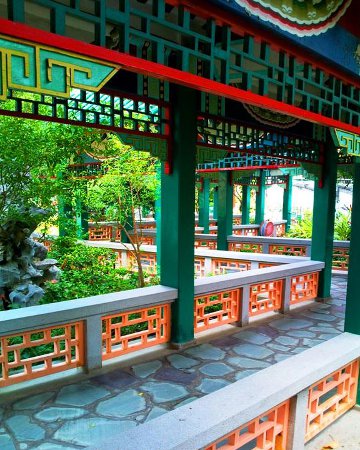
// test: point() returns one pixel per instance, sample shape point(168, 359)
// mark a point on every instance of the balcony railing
point(43, 340)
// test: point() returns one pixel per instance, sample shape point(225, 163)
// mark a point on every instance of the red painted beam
point(156, 70)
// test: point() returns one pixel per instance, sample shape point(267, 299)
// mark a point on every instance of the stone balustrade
point(282, 406)
point(40, 341)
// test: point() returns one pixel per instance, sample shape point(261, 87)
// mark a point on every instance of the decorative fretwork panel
point(37, 353)
point(244, 247)
point(133, 330)
point(203, 243)
point(193, 40)
point(265, 297)
point(280, 229)
point(247, 160)
point(216, 309)
point(266, 432)
point(100, 233)
point(304, 287)
point(224, 266)
point(331, 397)
point(137, 116)
point(248, 231)
point(199, 264)
point(288, 250)
point(340, 258)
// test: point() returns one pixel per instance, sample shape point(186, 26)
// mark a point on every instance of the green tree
point(127, 188)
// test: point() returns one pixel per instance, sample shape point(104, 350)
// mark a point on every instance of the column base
point(183, 345)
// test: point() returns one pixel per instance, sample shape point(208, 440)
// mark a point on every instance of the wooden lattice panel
point(265, 297)
point(340, 258)
point(265, 265)
point(134, 330)
point(200, 243)
point(199, 267)
point(288, 250)
point(37, 353)
point(246, 231)
point(304, 287)
point(331, 397)
point(216, 309)
point(102, 233)
point(244, 247)
point(237, 221)
point(224, 266)
point(148, 262)
point(266, 432)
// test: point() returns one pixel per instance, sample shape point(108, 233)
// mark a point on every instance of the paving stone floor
point(76, 415)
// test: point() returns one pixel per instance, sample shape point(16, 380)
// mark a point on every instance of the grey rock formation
point(23, 264)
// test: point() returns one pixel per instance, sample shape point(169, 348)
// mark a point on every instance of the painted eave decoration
point(300, 17)
point(46, 70)
point(349, 141)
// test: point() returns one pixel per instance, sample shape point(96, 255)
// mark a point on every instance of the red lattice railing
point(304, 287)
point(266, 432)
point(224, 266)
point(133, 330)
point(219, 308)
point(280, 229)
point(340, 258)
point(199, 264)
point(102, 233)
point(289, 250)
point(331, 397)
point(36, 353)
point(246, 231)
point(265, 297)
point(244, 247)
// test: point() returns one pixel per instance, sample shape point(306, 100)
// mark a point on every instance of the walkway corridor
point(76, 415)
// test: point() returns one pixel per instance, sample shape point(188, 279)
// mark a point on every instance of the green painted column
point(352, 312)
point(225, 210)
point(260, 199)
point(65, 218)
point(82, 219)
point(287, 202)
point(323, 219)
point(216, 202)
point(245, 205)
point(204, 204)
point(177, 215)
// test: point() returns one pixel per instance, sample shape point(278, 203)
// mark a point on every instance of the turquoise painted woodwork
point(204, 204)
point(177, 216)
point(323, 219)
point(225, 210)
point(260, 199)
point(245, 205)
point(82, 219)
point(348, 141)
point(215, 202)
point(46, 70)
point(239, 58)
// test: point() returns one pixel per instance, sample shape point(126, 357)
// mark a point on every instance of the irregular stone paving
point(86, 412)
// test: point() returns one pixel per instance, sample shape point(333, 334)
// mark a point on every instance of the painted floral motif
point(301, 17)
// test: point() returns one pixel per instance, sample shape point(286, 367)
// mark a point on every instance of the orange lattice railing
point(289, 250)
point(244, 247)
point(304, 287)
point(213, 310)
point(266, 432)
point(246, 231)
point(148, 261)
point(133, 330)
point(224, 266)
point(211, 245)
point(340, 258)
point(279, 229)
point(265, 265)
point(331, 397)
point(102, 233)
point(37, 353)
point(265, 297)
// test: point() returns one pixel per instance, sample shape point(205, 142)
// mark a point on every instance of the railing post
point(244, 306)
point(93, 343)
point(208, 266)
point(265, 247)
point(297, 421)
point(286, 295)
